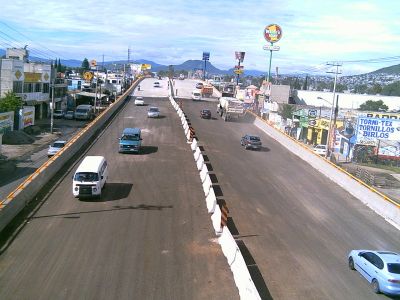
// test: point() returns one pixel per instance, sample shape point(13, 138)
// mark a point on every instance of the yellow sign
point(32, 77)
point(238, 71)
point(146, 67)
point(88, 76)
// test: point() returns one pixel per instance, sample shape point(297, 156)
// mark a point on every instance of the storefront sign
point(32, 77)
point(6, 122)
point(27, 117)
point(370, 130)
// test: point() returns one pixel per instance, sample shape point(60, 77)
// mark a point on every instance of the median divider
point(219, 215)
point(26, 191)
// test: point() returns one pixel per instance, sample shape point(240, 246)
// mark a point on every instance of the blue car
point(380, 268)
point(130, 140)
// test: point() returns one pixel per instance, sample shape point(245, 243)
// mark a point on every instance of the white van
point(90, 177)
point(196, 95)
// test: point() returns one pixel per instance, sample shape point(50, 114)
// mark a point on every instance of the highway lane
point(149, 237)
point(297, 224)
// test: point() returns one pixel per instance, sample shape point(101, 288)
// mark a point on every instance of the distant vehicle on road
point(205, 114)
point(196, 95)
point(251, 142)
point(58, 113)
point(130, 140)
point(156, 84)
point(199, 85)
point(84, 112)
point(229, 107)
point(55, 147)
point(153, 112)
point(90, 177)
point(181, 77)
point(380, 268)
point(139, 101)
point(69, 115)
point(320, 149)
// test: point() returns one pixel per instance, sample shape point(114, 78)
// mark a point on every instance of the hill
point(388, 70)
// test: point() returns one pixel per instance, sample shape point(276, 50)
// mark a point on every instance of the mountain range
point(189, 65)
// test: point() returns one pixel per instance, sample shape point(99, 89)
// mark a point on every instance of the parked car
point(251, 142)
point(139, 101)
point(55, 147)
point(205, 114)
point(69, 115)
point(199, 85)
point(380, 268)
point(58, 113)
point(153, 112)
point(156, 84)
point(320, 149)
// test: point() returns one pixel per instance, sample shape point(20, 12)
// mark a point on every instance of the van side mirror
point(102, 177)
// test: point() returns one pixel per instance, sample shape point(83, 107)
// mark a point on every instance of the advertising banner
point(6, 122)
point(371, 130)
point(27, 117)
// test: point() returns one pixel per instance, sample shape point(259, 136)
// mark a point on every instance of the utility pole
point(336, 72)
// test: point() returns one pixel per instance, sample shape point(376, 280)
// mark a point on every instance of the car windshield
point(82, 111)
point(58, 111)
point(134, 137)
point(58, 145)
point(394, 268)
point(139, 98)
point(153, 109)
point(320, 147)
point(86, 177)
point(254, 138)
point(206, 111)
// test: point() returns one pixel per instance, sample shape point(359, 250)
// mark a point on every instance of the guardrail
point(26, 191)
point(219, 214)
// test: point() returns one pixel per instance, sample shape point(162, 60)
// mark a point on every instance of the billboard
point(6, 122)
point(206, 55)
point(26, 117)
point(239, 55)
point(371, 130)
point(273, 33)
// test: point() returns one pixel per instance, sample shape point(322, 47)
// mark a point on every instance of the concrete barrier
point(203, 173)
point(193, 145)
point(380, 203)
point(26, 191)
point(207, 185)
point(211, 201)
point(196, 154)
point(242, 277)
point(200, 162)
point(216, 220)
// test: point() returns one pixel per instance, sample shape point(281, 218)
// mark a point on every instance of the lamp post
point(53, 75)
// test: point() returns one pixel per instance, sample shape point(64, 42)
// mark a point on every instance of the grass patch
point(393, 169)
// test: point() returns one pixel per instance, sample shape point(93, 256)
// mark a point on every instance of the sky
point(171, 32)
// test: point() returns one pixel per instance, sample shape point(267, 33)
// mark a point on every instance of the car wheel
point(351, 264)
point(375, 286)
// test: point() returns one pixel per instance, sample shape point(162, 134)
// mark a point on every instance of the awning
point(91, 95)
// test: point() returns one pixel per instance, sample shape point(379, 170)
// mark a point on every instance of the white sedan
point(153, 112)
point(320, 149)
point(139, 101)
point(55, 147)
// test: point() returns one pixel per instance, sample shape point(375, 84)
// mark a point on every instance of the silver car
point(153, 112)
point(55, 147)
point(380, 268)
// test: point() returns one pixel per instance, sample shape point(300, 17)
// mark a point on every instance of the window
point(46, 88)
point(394, 268)
point(17, 86)
point(38, 87)
point(86, 177)
point(28, 87)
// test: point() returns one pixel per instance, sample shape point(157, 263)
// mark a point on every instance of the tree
point(287, 111)
point(371, 105)
point(375, 89)
point(85, 64)
point(305, 84)
point(59, 66)
point(392, 89)
point(10, 102)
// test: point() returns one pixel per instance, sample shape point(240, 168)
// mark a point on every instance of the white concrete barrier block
point(216, 221)
point(207, 185)
point(196, 154)
point(203, 173)
point(211, 201)
point(188, 135)
point(185, 126)
point(200, 162)
point(193, 146)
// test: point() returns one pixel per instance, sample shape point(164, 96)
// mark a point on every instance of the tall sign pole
point(206, 56)
point(272, 34)
point(239, 68)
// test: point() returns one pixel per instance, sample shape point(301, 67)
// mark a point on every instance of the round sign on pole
point(273, 33)
point(93, 63)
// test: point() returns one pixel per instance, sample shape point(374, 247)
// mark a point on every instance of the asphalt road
point(149, 237)
point(297, 225)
